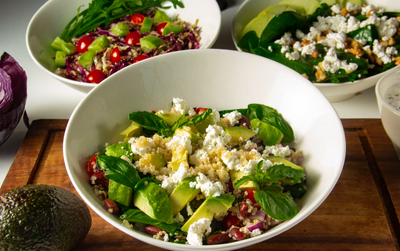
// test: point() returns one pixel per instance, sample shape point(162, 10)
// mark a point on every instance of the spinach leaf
point(297, 190)
point(118, 170)
point(249, 41)
point(276, 204)
point(151, 121)
point(279, 172)
point(136, 215)
point(271, 116)
point(368, 33)
point(273, 51)
point(120, 149)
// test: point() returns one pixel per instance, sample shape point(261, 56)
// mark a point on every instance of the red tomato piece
point(200, 110)
point(83, 44)
point(250, 195)
point(230, 220)
point(92, 165)
point(140, 58)
point(96, 76)
point(115, 55)
point(137, 18)
point(132, 38)
point(160, 27)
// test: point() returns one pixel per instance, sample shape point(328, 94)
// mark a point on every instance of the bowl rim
point(226, 246)
point(380, 95)
point(78, 84)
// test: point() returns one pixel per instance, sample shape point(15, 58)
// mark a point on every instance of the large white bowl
point(390, 117)
point(334, 92)
point(49, 21)
point(220, 79)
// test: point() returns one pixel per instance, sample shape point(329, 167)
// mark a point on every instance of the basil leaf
point(297, 190)
point(278, 205)
point(120, 149)
point(136, 215)
point(198, 118)
point(243, 180)
point(151, 121)
point(118, 170)
point(271, 116)
point(182, 119)
point(279, 172)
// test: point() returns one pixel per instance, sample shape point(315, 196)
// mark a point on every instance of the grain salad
point(199, 176)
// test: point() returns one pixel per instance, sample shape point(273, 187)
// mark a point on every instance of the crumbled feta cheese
point(181, 141)
point(142, 145)
point(166, 237)
point(255, 232)
point(179, 218)
point(198, 157)
point(216, 136)
point(332, 64)
point(293, 55)
point(233, 117)
point(336, 9)
point(196, 231)
point(335, 40)
point(207, 187)
point(388, 28)
point(383, 53)
point(280, 151)
point(350, 6)
point(286, 39)
point(232, 159)
point(169, 183)
point(215, 117)
point(180, 105)
point(189, 209)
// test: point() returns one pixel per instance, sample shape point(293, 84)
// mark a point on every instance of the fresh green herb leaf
point(118, 170)
point(278, 205)
point(151, 121)
point(136, 215)
point(198, 118)
point(119, 150)
point(279, 172)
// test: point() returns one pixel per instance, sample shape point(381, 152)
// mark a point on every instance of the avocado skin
point(42, 217)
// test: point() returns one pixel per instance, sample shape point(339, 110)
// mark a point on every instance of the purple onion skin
point(13, 95)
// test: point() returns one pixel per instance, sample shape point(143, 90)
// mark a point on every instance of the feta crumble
point(197, 230)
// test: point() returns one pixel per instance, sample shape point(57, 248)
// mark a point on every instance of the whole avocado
point(42, 217)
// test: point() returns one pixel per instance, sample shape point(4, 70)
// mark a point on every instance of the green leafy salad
point(326, 41)
point(201, 176)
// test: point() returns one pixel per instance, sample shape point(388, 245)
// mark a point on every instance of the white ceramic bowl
point(334, 92)
point(50, 20)
point(390, 116)
point(221, 79)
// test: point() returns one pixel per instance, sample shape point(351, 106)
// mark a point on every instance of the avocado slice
point(169, 117)
point(237, 175)
point(189, 132)
point(153, 200)
point(161, 17)
point(134, 130)
point(179, 156)
point(150, 42)
point(239, 134)
point(42, 217)
point(119, 193)
point(182, 195)
point(157, 159)
point(269, 134)
point(210, 208)
point(284, 161)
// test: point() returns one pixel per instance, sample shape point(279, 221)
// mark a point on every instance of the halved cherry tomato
point(132, 38)
point(83, 44)
point(115, 56)
point(200, 110)
point(92, 165)
point(137, 18)
point(250, 195)
point(230, 220)
point(140, 58)
point(160, 27)
point(96, 76)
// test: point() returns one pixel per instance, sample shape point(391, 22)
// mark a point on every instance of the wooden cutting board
point(361, 213)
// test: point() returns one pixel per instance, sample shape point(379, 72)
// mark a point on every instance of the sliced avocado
point(210, 208)
point(182, 195)
point(169, 117)
point(134, 130)
point(179, 156)
point(156, 159)
point(306, 7)
point(161, 17)
point(120, 193)
point(171, 28)
point(237, 175)
point(150, 42)
point(153, 200)
point(276, 9)
point(146, 25)
point(189, 132)
point(269, 134)
point(239, 134)
point(284, 161)
point(202, 126)
point(42, 217)
point(328, 2)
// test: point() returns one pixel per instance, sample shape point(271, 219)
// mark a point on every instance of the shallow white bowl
point(220, 79)
point(390, 116)
point(49, 21)
point(334, 92)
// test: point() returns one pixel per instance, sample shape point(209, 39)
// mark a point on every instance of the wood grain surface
point(361, 213)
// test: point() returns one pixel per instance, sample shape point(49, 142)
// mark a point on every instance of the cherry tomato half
point(83, 44)
point(92, 165)
point(137, 18)
point(140, 58)
point(96, 76)
point(200, 110)
point(250, 195)
point(115, 56)
point(132, 38)
point(160, 27)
